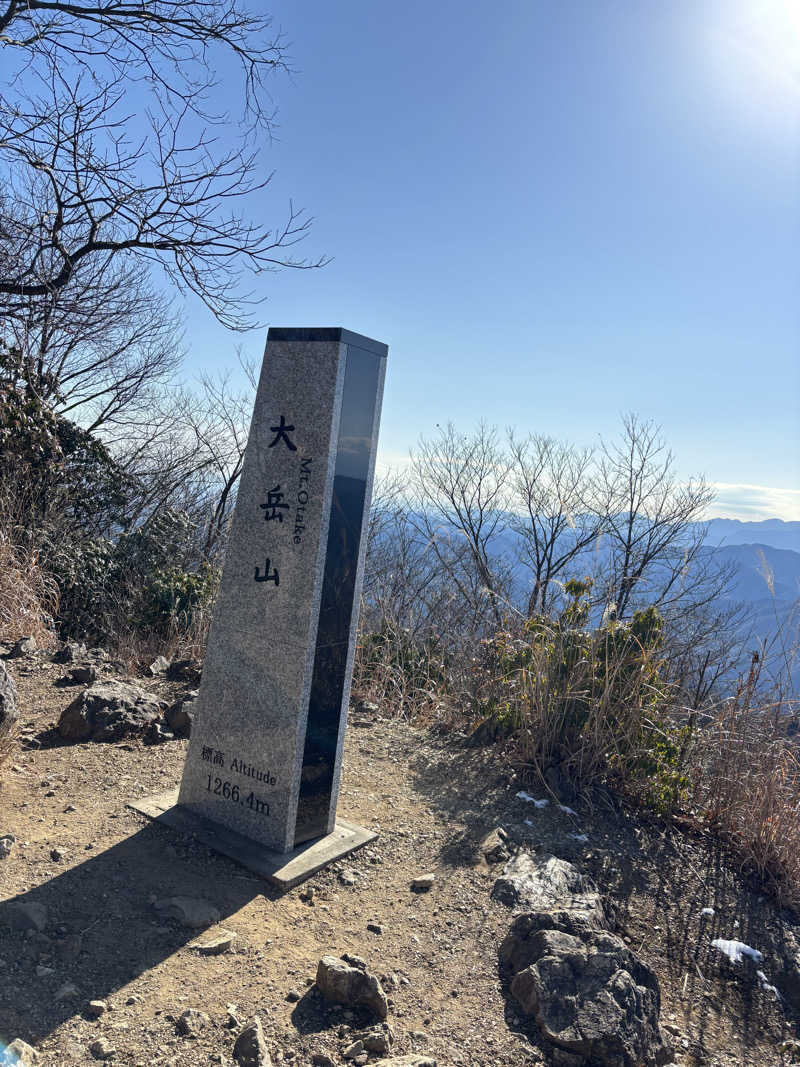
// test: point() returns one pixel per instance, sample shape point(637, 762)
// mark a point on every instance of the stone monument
point(262, 771)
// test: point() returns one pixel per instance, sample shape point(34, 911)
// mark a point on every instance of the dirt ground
point(432, 799)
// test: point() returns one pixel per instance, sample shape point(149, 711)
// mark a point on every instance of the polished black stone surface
point(346, 528)
point(327, 333)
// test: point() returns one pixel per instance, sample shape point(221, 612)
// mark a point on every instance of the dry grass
point(28, 596)
point(746, 783)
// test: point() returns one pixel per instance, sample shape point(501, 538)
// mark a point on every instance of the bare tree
point(460, 483)
point(548, 480)
point(172, 44)
point(654, 527)
point(86, 187)
point(87, 179)
point(99, 347)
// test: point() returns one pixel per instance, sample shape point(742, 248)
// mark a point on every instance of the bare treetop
point(170, 42)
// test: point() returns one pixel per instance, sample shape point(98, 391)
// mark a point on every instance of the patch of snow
point(764, 982)
point(709, 912)
point(566, 810)
point(580, 837)
point(522, 795)
point(736, 950)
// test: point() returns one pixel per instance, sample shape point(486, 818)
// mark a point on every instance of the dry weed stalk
point(28, 596)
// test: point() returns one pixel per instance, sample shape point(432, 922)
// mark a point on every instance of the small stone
point(353, 1050)
point(293, 996)
point(69, 808)
point(322, 1059)
point(307, 894)
point(191, 912)
point(340, 983)
point(159, 666)
point(21, 1054)
point(57, 854)
point(7, 842)
point(423, 883)
point(27, 915)
point(374, 927)
point(84, 675)
point(66, 992)
point(359, 1061)
point(26, 646)
point(221, 942)
point(102, 1049)
point(44, 972)
point(96, 1008)
point(347, 878)
point(191, 1022)
point(250, 1049)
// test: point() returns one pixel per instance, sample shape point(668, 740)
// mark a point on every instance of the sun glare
point(756, 53)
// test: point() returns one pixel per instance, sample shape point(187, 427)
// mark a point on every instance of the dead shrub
point(28, 596)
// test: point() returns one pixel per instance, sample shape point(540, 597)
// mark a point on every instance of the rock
point(540, 883)
point(156, 733)
point(353, 1050)
point(96, 1008)
point(20, 1053)
point(57, 854)
point(191, 912)
point(423, 883)
point(84, 675)
point(222, 942)
point(71, 652)
point(340, 983)
point(368, 709)
point(184, 670)
point(180, 716)
point(9, 715)
point(7, 842)
point(494, 847)
point(376, 1041)
point(191, 1022)
point(589, 994)
point(322, 1059)
point(102, 1049)
point(160, 665)
point(27, 915)
point(66, 992)
point(250, 1049)
point(412, 1060)
point(374, 927)
point(108, 711)
point(70, 947)
point(26, 646)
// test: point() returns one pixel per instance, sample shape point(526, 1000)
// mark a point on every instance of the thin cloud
point(754, 502)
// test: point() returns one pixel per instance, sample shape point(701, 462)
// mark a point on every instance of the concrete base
point(284, 869)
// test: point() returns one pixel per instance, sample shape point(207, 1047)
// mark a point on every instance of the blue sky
point(553, 213)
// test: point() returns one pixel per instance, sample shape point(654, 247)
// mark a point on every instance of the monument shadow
point(103, 930)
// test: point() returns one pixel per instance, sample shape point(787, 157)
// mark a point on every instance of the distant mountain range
point(773, 532)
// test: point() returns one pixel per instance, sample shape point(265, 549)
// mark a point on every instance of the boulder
point(589, 994)
point(9, 715)
point(340, 983)
point(19, 1053)
point(108, 711)
point(180, 716)
point(250, 1049)
point(539, 883)
point(85, 674)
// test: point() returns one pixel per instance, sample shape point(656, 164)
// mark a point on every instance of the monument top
point(327, 333)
